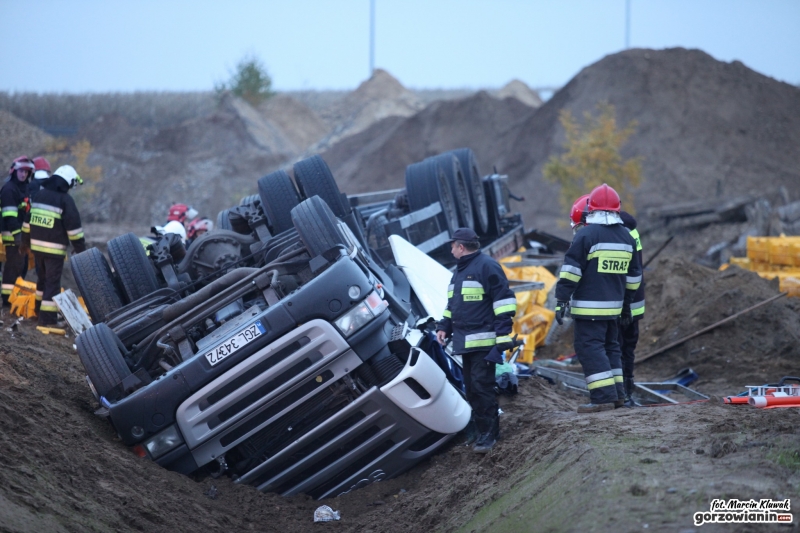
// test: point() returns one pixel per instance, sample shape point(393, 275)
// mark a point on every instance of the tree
point(250, 81)
point(592, 157)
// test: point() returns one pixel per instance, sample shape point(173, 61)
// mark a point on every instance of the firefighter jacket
point(601, 272)
point(637, 304)
point(13, 206)
point(480, 306)
point(53, 222)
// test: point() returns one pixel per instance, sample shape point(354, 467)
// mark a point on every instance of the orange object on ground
point(775, 401)
point(736, 399)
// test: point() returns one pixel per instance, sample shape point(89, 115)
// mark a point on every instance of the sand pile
point(17, 138)
point(377, 157)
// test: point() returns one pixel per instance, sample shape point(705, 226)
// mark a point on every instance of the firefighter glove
point(626, 319)
point(561, 310)
point(495, 356)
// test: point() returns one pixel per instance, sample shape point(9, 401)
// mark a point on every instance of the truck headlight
point(163, 442)
point(357, 317)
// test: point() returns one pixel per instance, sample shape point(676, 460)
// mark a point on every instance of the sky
point(179, 45)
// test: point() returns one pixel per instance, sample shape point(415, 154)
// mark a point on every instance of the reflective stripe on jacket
point(600, 272)
point(637, 305)
point(13, 207)
point(480, 306)
point(53, 222)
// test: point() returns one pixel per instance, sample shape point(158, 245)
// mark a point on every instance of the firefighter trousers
point(597, 347)
point(628, 339)
point(48, 271)
point(12, 269)
point(479, 383)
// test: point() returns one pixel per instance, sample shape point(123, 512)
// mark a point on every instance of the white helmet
point(69, 175)
point(173, 226)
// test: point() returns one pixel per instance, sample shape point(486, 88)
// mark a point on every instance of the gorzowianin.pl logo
point(763, 511)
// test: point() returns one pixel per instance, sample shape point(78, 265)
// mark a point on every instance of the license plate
point(235, 343)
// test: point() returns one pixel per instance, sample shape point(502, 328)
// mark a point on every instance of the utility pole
point(371, 37)
point(627, 24)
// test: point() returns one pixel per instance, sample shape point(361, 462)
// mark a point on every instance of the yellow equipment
point(532, 321)
point(23, 298)
point(773, 257)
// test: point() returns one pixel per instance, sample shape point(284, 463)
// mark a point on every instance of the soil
point(17, 138)
point(64, 468)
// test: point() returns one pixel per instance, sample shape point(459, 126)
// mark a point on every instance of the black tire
point(278, 198)
point(474, 179)
point(317, 226)
point(427, 183)
point(223, 222)
point(248, 199)
point(96, 283)
point(459, 188)
point(99, 350)
point(134, 270)
point(314, 178)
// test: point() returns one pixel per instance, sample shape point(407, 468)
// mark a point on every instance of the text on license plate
point(235, 343)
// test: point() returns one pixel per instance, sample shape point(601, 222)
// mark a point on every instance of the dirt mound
point(519, 90)
point(705, 128)
point(683, 297)
point(17, 138)
point(377, 157)
point(208, 162)
point(298, 122)
point(379, 97)
point(64, 468)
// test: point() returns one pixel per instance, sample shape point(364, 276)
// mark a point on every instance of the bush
point(592, 158)
point(250, 81)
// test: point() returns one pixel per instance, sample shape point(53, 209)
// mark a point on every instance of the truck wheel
point(314, 178)
point(99, 350)
point(317, 226)
point(278, 198)
point(96, 283)
point(223, 222)
point(248, 199)
point(135, 272)
point(458, 186)
point(472, 175)
point(427, 183)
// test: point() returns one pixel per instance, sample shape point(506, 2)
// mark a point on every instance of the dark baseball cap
point(464, 234)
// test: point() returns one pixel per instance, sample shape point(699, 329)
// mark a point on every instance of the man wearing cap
point(478, 316)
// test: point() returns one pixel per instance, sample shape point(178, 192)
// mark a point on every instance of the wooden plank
point(73, 313)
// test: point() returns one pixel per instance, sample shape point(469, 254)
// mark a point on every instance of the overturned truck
point(281, 349)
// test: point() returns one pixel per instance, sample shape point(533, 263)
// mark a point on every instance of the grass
point(787, 458)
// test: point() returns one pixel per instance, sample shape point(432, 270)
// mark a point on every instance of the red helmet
point(40, 163)
point(199, 224)
point(604, 198)
point(177, 212)
point(22, 162)
point(579, 210)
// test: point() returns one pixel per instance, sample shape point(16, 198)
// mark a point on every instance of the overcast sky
point(176, 45)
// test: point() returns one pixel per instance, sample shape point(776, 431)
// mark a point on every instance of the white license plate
point(235, 343)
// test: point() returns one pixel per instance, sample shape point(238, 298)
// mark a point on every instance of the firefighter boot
point(595, 407)
point(629, 386)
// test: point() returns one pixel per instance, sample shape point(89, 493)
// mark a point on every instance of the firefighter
point(597, 282)
point(198, 227)
point(181, 213)
point(14, 205)
point(479, 313)
point(629, 324)
point(577, 216)
point(41, 172)
point(52, 224)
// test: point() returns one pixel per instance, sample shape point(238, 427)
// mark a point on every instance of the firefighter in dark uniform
point(14, 206)
point(597, 282)
point(479, 313)
point(629, 324)
point(51, 225)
